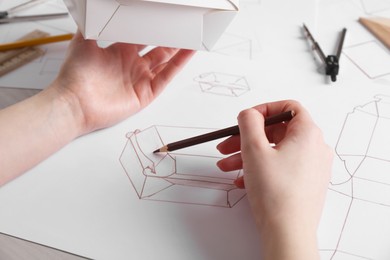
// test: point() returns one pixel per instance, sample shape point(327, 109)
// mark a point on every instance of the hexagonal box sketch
point(223, 84)
point(187, 176)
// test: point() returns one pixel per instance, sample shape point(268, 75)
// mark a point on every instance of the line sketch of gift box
point(189, 176)
point(223, 84)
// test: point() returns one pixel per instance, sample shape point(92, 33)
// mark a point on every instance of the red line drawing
point(378, 55)
point(223, 84)
point(363, 147)
point(186, 176)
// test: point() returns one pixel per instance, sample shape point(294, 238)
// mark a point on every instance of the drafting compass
point(9, 17)
point(331, 61)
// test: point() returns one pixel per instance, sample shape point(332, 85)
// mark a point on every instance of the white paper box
point(188, 24)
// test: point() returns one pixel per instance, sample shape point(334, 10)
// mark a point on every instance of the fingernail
point(239, 183)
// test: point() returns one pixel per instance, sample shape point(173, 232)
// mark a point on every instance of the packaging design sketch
point(188, 176)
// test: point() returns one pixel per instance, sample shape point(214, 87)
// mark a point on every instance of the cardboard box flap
point(228, 5)
point(84, 13)
point(105, 12)
point(214, 24)
point(189, 24)
point(170, 33)
point(77, 10)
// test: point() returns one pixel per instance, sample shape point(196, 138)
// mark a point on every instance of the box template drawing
point(189, 24)
point(187, 176)
point(371, 58)
point(362, 185)
point(365, 151)
point(223, 84)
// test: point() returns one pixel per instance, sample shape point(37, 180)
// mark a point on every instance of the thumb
point(254, 142)
point(252, 133)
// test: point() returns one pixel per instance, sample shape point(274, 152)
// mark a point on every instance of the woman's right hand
point(286, 182)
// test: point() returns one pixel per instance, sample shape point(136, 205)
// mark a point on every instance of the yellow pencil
point(33, 42)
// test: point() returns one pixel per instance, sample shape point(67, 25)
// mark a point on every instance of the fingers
point(231, 163)
point(230, 145)
point(252, 132)
point(273, 108)
point(153, 58)
point(158, 56)
point(254, 139)
point(276, 133)
point(127, 54)
point(170, 69)
point(132, 46)
point(277, 107)
point(239, 182)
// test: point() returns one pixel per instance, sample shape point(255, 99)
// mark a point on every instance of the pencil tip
point(163, 149)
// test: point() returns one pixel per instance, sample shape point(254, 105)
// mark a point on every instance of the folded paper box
point(189, 176)
point(188, 24)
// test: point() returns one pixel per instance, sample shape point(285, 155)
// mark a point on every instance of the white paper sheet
point(355, 221)
point(83, 199)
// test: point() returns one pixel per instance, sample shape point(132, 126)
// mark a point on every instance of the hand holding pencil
point(286, 182)
point(234, 130)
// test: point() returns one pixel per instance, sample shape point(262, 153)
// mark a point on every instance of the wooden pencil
point(233, 130)
point(34, 42)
